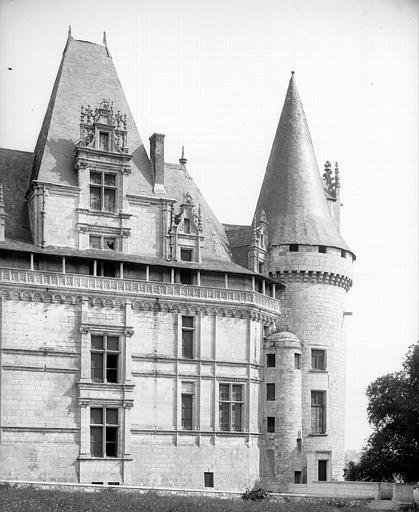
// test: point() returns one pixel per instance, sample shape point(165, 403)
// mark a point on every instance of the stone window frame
point(103, 186)
point(317, 367)
point(106, 426)
point(270, 395)
point(188, 329)
point(231, 401)
point(103, 237)
point(271, 361)
point(318, 412)
point(188, 389)
point(105, 352)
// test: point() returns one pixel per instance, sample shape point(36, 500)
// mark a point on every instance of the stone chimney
point(3, 215)
point(157, 161)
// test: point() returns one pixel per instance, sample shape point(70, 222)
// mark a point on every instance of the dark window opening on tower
point(318, 359)
point(318, 412)
point(297, 361)
point(270, 360)
point(208, 479)
point(299, 444)
point(270, 392)
point(297, 477)
point(342, 253)
point(270, 424)
point(293, 247)
point(323, 249)
point(188, 332)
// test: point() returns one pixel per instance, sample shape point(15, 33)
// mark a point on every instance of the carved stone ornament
point(128, 331)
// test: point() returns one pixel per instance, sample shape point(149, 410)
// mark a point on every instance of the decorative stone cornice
point(308, 276)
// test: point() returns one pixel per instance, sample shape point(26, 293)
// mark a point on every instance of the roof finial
point(69, 33)
point(182, 159)
point(292, 73)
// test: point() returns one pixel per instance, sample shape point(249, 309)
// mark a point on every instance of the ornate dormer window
point(103, 130)
point(185, 231)
point(102, 164)
point(257, 251)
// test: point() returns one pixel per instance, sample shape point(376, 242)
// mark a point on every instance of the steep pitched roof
point(292, 193)
point(216, 245)
point(15, 171)
point(86, 76)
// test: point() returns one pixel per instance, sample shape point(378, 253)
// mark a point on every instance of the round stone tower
point(308, 255)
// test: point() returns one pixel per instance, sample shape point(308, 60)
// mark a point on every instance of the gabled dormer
point(102, 163)
point(258, 248)
point(185, 236)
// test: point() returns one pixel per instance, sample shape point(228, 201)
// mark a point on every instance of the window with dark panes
point(270, 392)
point(270, 424)
point(104, 427)
point(208, 479)
point(270, 360)
point(185, 277)
point(297, 361)
point(188, 333)
point(231, 407)
point(104, 358)
point(293, 247)
point(186, 254)
point(102, 191)
point(318, 359)
point(322, 470)
point(318, 412)
point(187, 405)
point(102, 242)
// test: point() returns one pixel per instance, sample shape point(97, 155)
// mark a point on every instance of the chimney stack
point(157, 161)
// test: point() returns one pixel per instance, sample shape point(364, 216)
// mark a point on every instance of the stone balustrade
point(137, 288)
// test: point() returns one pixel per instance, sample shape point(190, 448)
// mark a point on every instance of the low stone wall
point(402, 493)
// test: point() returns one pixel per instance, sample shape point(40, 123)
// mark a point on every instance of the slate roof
point(86, 75)
point(15, 171)
point(292, 193)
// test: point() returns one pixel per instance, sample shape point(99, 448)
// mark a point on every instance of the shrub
point(256, 494)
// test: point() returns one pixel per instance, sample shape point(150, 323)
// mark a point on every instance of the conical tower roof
point(292, 193)
point(86, 76)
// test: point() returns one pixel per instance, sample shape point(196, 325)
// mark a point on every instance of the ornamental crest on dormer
point(331, 181)
point(186, 220)
point(103, 129)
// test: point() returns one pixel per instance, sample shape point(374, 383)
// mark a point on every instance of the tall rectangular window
point(318, 412)
point(297, 361)
point(188, 332)
point(187, 226)
point(270, 424)
point(187, 405)
point(231, 407)
point(104, 141)
point(104, 427)
point(209, 479)
point(270, 392)
point(104, 358)
point(102, 191)
point(318, 359)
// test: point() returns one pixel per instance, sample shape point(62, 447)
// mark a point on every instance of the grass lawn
point(110, 500)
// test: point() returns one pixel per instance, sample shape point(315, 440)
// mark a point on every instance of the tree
point(392, 450)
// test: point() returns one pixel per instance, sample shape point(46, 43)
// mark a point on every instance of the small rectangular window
point(297, 361)
point(188, 334)
point(342, 253)
point(299, 444)
point(297, 477)
point(187, 226)
point(186, 254)
point(318, 359)
point(270, 392)
point(95, 242)
point(187, 411)
point(270, 360)
point(270, 424)
point(322, 470)
point(208, 479)
point(104, 141)
point(322, 249)
point(318, 412)
point(293, 247)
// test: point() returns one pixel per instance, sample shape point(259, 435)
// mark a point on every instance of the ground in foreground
point(112, 500)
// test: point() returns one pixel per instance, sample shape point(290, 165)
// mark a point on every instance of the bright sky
point(212, 76)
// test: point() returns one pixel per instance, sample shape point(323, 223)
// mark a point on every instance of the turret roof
point(292, 193)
